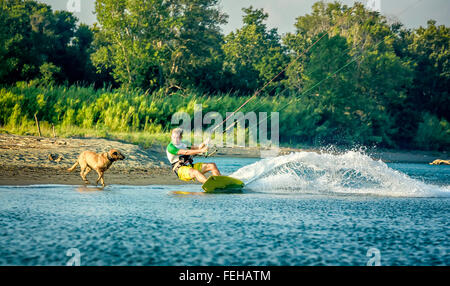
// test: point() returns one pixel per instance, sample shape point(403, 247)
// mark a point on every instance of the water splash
point(352, 172)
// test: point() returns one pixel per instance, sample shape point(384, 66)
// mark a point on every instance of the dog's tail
point(73, 167)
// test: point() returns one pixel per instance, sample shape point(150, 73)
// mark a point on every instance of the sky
point(282, 13)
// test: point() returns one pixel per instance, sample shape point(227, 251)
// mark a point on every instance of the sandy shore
point(23, 175)
point(26, 160)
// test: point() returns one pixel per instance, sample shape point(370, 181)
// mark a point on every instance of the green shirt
point(172, 151)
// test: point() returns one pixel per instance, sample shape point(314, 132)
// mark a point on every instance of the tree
point(195, 48)
point(253, 54)
point(429, 48)
point(152, 43)
point(359, 103)
point(20, 57)
point(36, 42)
point(121, 44)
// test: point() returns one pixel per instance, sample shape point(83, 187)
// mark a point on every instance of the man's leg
point(210, 167)
point(197, 175)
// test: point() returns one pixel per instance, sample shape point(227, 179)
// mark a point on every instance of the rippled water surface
point(269, 224)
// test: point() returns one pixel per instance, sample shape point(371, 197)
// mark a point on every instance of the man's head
point(177, 134)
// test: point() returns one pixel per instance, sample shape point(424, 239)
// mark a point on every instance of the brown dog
point(440, 162)
point(89, 160)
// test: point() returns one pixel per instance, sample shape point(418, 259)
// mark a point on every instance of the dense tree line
point(366, 81)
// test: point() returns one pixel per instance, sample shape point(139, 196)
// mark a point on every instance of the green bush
point(433, 134)
point(145, 118)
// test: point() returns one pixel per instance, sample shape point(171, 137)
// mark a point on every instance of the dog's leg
point(102, 180)
point(84, 171)
point(83, 177)
point(87, 170)
point(100, 177)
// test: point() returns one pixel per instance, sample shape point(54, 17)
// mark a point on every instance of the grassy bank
point(145, 119)
point(129, 115)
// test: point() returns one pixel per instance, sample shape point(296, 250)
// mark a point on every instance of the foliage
point(155, 43)
point(353, 77)
point(36, 43)
point(433, 134)
point(253, 54)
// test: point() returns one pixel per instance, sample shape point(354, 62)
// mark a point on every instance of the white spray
point(348, 173)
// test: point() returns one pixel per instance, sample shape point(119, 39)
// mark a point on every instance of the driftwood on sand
point(440, 162)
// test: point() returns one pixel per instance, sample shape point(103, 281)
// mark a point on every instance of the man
point(180, 156)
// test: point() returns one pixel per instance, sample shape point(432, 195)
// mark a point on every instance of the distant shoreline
point(387, 156)
point(24, 160)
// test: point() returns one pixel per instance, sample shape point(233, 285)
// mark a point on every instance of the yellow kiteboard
point(217, 185)
point(187, 193)
point(222, 184)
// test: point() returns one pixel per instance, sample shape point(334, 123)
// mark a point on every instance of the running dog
point(440, 162)
point(89, 160)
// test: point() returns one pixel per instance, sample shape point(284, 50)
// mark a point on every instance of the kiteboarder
point(181, 158)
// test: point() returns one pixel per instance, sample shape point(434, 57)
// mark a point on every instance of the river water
point(299, 209)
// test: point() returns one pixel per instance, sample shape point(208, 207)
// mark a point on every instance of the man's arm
point(201, 146)
point(172, 149)
point(192, 151)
